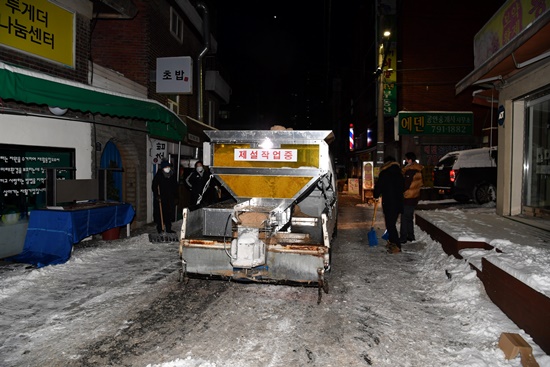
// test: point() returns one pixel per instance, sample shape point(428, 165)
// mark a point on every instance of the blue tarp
point(52, 233)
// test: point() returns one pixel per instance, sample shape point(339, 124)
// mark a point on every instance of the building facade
point(414, 70)
point(512, 63)
point(79, 100)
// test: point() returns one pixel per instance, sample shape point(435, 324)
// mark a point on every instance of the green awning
point(30, 87)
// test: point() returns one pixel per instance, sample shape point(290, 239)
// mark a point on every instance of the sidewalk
point(511, 259)
point(510, 256)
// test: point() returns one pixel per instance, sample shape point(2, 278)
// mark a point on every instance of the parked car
point(468, 175)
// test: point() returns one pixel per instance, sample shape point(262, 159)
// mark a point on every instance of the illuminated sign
point(175, 75)
point(507, 24)
point(38, 27)
point(272, 155)
point(351, 138)
point(436, 123)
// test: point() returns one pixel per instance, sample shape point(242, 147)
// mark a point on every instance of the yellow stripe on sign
point(283, 187)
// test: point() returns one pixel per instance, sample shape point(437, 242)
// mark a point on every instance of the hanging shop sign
point(159, 150)
point(175, 75)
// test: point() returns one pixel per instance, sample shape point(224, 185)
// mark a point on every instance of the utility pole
point(380, 109)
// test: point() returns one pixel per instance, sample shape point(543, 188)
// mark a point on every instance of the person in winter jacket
point(390, 187)
point(412, 173)
point(197, 180)
point(165, 193)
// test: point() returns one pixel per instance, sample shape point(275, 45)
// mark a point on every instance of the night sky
point(275, 57)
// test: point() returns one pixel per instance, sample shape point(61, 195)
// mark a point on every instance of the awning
point(528, 47)
point(31, 87)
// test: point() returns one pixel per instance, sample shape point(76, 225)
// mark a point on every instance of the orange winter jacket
point(413, 183)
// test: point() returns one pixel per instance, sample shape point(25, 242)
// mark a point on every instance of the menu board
point(24, 173)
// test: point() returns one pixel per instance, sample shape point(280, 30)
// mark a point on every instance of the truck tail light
point(452, 175)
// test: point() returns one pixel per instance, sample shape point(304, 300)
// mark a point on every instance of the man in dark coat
point(197, 181)
point(390, 186)
point(165, 193)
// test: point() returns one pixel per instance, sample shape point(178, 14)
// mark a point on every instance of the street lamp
point(380, 116)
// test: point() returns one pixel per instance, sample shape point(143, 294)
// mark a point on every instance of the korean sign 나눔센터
point(436, 123)
point(38, 27)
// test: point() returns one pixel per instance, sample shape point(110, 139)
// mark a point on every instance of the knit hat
point(164, 163)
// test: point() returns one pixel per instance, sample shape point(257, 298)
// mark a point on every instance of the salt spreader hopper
point(278, 228)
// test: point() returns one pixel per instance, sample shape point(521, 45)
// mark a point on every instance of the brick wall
point(436, 52)
point(131, 47)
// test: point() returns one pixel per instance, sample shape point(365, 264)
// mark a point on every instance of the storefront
point(513, 67)
point(60, 129)
point(524, 154)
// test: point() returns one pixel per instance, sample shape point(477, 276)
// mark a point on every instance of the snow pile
point(525, 255)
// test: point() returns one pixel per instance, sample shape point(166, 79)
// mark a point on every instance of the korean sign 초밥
point(175, 75)
point(436, 123)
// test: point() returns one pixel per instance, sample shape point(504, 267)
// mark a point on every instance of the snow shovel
point(373, 240)
point(162, 237)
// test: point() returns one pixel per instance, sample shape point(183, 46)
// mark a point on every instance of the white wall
point(50, 132)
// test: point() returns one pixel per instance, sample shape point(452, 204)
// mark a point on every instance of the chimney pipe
point(206, 39)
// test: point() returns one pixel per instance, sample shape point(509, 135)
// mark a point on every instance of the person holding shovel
point(412, 173)
point(165, 193)
point(198, 182)
point(390, 187)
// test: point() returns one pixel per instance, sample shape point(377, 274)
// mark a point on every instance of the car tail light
point(452, 175)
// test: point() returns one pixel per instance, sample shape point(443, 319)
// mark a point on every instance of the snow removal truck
point(278, 228)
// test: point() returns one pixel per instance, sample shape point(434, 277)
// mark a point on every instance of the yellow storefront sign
point(508, 22)
point(38, 27)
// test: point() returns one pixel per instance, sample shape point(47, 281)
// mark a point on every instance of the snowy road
point(119, 304)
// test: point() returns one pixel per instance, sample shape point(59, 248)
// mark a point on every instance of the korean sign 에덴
point(435, 123)
point(38, 27)
point(271, 155)
point(175, 75)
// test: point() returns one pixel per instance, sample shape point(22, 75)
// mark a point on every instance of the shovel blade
point(373, 240)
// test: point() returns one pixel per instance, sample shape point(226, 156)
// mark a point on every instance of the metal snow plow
point(280, 225)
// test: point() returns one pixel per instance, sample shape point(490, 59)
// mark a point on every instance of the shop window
point(536, 190)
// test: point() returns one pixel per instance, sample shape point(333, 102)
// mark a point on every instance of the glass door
point(536, 182)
